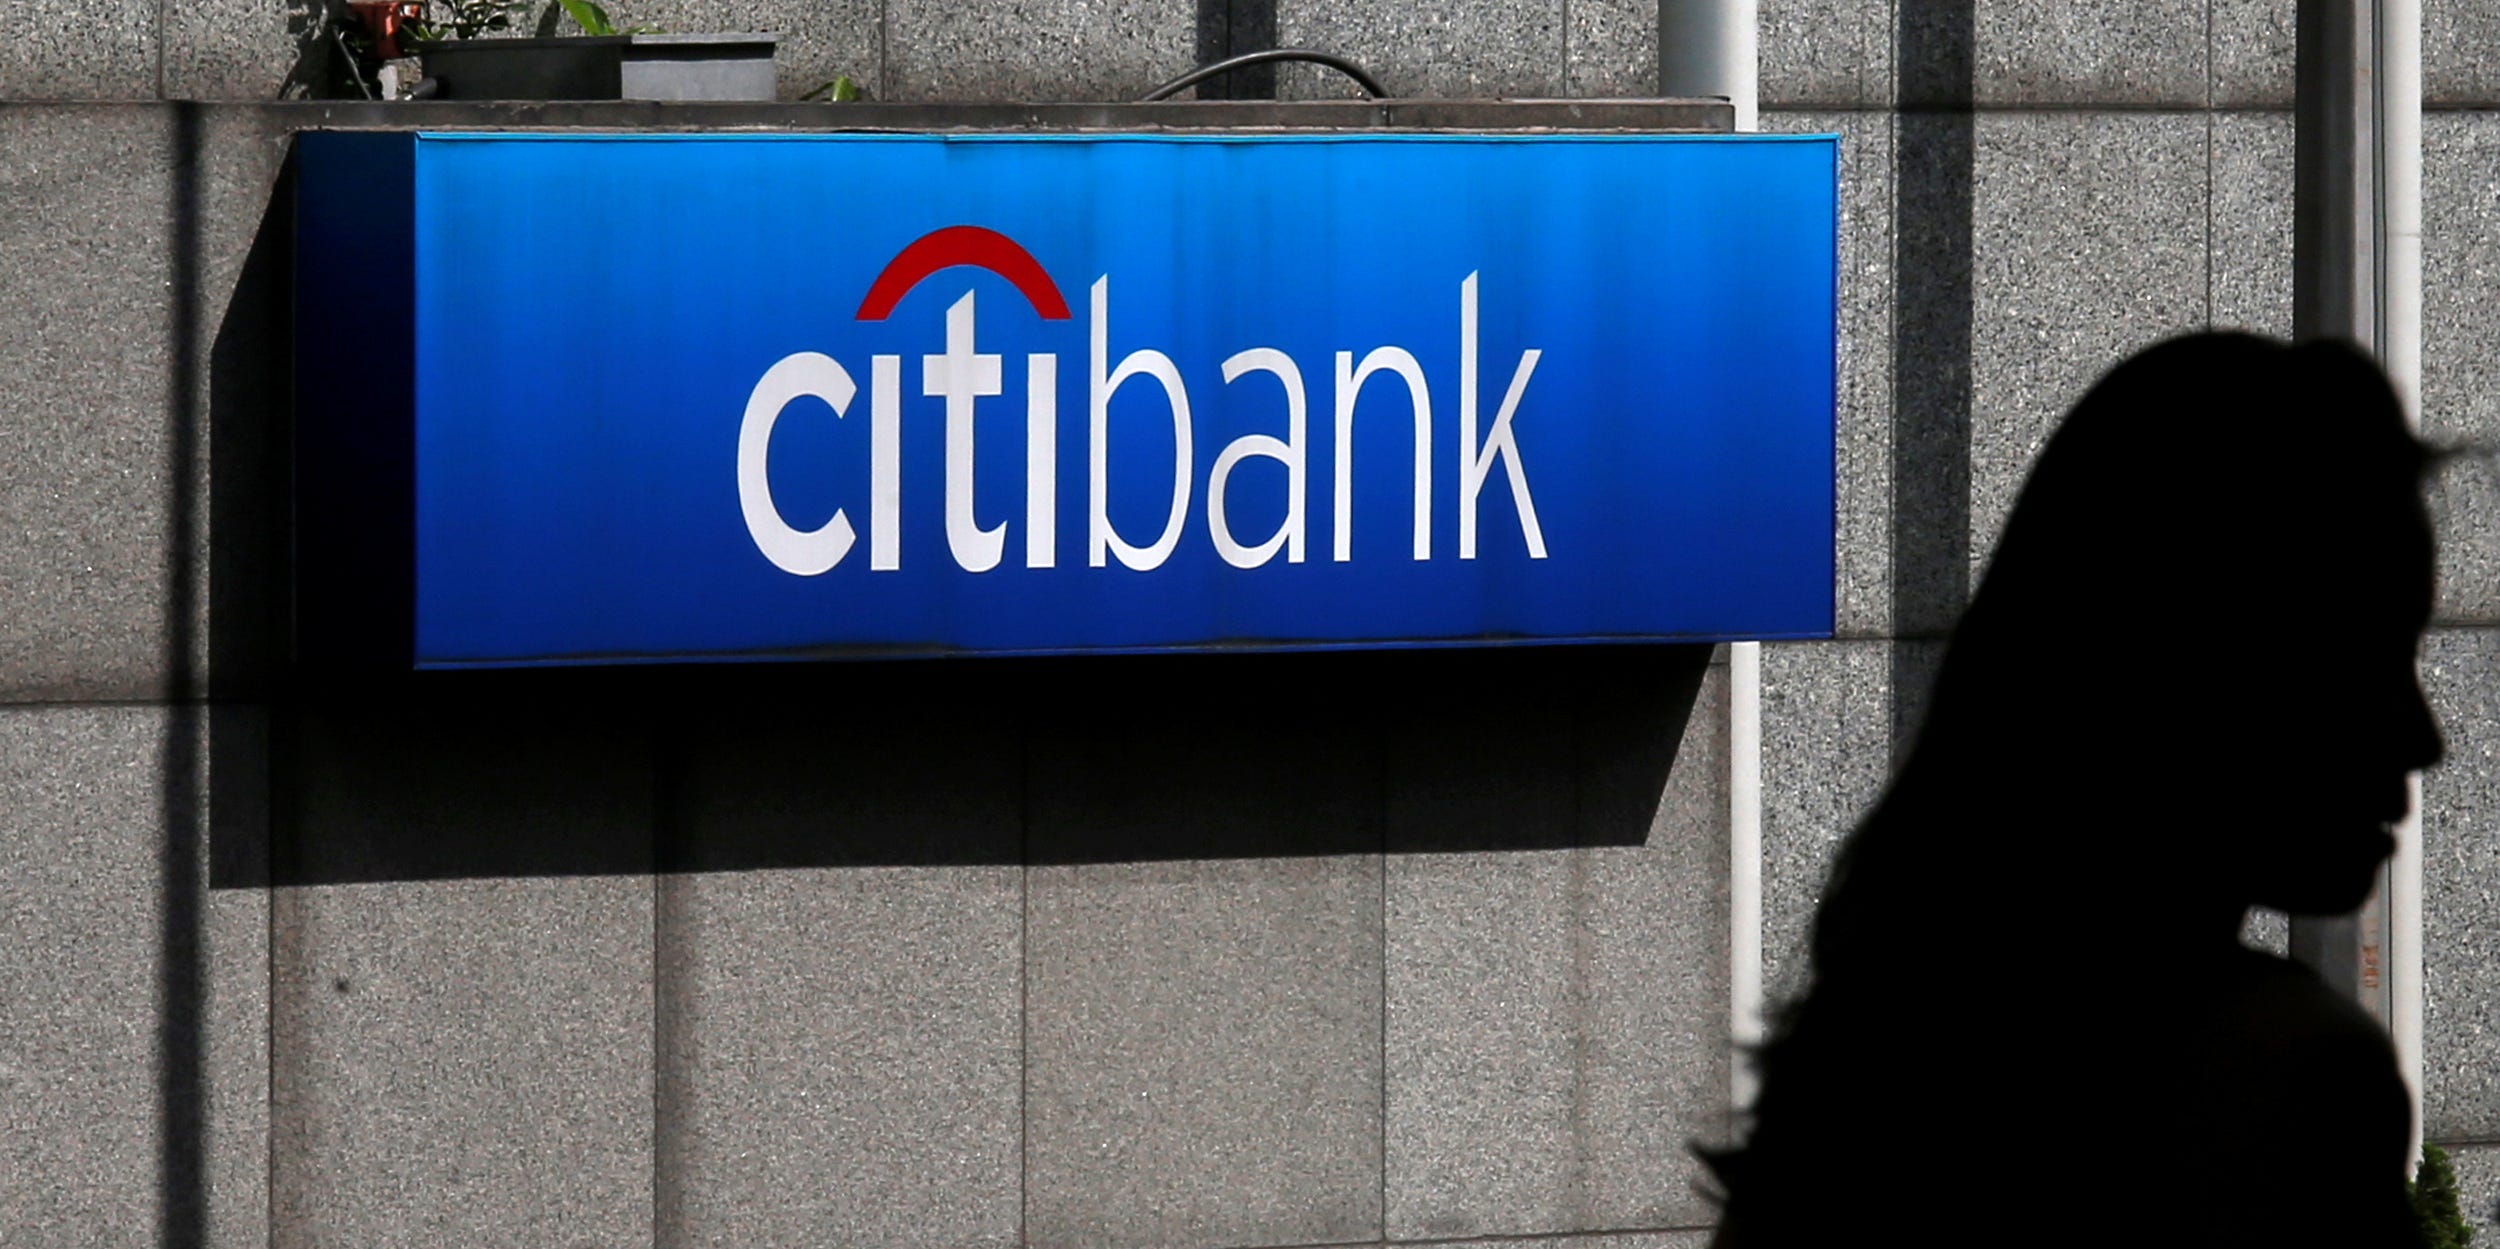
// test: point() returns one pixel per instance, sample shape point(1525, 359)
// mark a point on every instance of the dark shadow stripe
point(1215, 35)
point(247, 396)
point(181, 1208)
point(1228, 28)
point(1931, 362)
point(672, 996)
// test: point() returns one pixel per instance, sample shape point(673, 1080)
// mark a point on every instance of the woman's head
point(2185, 685)
point(2204, 609)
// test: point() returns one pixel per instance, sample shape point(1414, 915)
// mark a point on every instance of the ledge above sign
point(570, 398)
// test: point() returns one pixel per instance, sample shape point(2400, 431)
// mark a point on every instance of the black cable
point(1362, 78)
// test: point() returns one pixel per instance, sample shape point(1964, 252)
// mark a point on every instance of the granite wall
point(588, 961)
point(2039, 190)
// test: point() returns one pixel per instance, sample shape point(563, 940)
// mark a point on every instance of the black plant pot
point(603, 67)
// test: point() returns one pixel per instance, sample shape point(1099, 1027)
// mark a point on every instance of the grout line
point(1024, 984)
point(663, 800)
point(141, 704)
point(1024, 1053)
point(1892, 58)
point(1381, 771)
point(269, 997)
point(1383, 862)
point(659, 1047)
point(1594, 1239)
point(1570, 85)
point(2213, 183)
point(2180, 108)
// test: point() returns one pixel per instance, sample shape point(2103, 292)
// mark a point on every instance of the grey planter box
point(605, 67)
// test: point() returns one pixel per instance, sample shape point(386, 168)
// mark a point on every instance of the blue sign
point(661, 397)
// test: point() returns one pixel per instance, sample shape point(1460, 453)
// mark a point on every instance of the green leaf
point(839, 91)
point(589, 16)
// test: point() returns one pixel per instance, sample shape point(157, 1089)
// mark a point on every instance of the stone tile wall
point(659, 970)
point(2478, 1185)
point(2126, 174)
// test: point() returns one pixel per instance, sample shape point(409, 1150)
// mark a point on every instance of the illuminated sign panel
point(664, 397)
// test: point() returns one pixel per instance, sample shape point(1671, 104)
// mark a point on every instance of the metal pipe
point(2335, 173)
point(1708, 48)
point(2356, 250)
point(2400, 103)
point(2335, 294)
point(1744, 843)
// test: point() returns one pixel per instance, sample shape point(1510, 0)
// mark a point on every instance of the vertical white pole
point(2400, 131)
point(1708, 48)
point(2357, 275)
point(2405, 974)
point(1743, 65)
point(1744, 838)
point(1744, 671)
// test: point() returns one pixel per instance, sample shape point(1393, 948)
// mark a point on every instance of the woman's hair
point(1987, 950)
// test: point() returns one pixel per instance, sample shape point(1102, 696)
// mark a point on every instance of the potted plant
point(2434, 1193)
point(598, 62)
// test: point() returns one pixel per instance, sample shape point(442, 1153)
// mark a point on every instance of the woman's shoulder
point(2295, 1108)
point(2266, 1037)
point(2268, 1056)
point(2259, 1006)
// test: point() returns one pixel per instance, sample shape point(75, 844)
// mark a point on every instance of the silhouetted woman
point(2185, 687)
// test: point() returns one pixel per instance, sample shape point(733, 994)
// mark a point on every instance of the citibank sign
point(961, 374)
point(829, 396)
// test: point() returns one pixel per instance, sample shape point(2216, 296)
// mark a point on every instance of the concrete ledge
point(1172, 115)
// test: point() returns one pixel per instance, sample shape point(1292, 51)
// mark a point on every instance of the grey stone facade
point(576, 963)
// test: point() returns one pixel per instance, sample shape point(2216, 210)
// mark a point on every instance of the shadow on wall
point(732, 767)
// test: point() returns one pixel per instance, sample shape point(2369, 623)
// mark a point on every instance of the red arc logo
point(963, 245)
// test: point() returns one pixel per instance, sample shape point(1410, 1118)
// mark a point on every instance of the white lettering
point(1350, 379)
point(885, 463)
point(1288, 452)
point(961, 376)
point(1041, 460)
point(1102, 540)
point(1474, 463)
point(814, 551)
